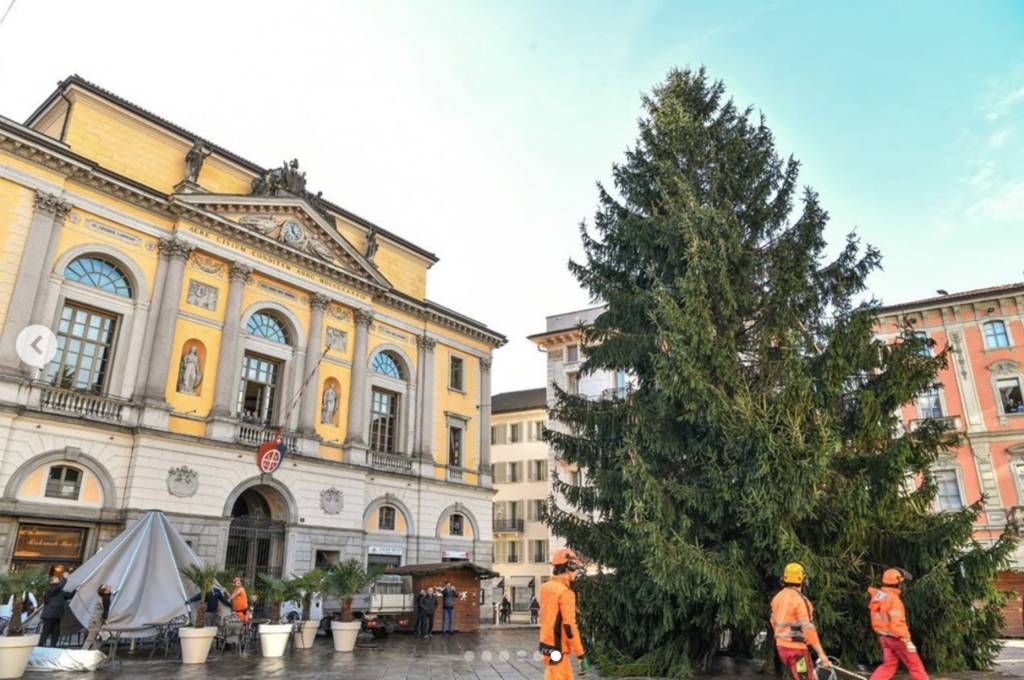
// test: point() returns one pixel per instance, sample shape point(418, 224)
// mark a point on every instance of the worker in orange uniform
point(889, 621)
point(559, 634)
point(793, 623)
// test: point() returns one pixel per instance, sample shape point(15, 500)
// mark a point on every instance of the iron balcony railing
point(508, 526)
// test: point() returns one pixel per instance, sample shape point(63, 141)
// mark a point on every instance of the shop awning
point(519, 581)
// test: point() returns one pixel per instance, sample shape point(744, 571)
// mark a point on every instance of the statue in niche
point(330, 405)
point(189, 373)
point(194, 162)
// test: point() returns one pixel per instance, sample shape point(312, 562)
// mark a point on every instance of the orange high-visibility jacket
point(558, 627)
point(888, 616)
point(240, 604)
point(793, 619)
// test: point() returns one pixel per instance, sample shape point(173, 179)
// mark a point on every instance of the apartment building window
point(539, 550)
point(85, 343)
point(929, 405)
point(507, 510)
point(948, 498)
point(499, 434)
point(572, 354)
point(515, 471)
point(515, 433)
point(513, 552)
point(538, 470)
point(455, 438)
point(572, 383)
point(535, 431)
point(535, 511)
point(996, 335)
point(1011, 398)
point(499, 473)
point(456, 378)
point(576, 478)
point(64, 482)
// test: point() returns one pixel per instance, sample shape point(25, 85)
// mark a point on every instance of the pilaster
point(485, 422)
point(222, 416)
point(425, 406)
point(354, 438)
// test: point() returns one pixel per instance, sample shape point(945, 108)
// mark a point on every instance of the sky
point(479, 130)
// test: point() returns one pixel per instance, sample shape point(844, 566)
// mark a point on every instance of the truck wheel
point(380, 633)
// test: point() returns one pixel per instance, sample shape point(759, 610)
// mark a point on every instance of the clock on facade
point(292, 232)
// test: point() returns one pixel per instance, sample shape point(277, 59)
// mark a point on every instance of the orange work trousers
point(558, 671)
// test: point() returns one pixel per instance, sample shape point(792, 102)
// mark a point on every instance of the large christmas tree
point(763, 425)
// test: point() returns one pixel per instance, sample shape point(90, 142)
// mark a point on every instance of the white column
point(23, 310)
point(314, 348)
point(485, 422)
point(225, 395)
point(425, 433)
point(357, 389)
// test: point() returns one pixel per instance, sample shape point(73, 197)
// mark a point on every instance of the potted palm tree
point(15, 646)
point(305, 589)
point(196, 639)
point(274, 635)
point(344, 580)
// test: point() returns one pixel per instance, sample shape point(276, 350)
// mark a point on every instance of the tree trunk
point(14, 626)
point(200, 621)
point(275, 612)
point(346, 609)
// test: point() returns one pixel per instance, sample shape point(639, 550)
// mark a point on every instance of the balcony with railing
point(455, 474)
point(254, 434)
point(950, 424)
point(84, 404)
point(508, 526)
point(390, 462)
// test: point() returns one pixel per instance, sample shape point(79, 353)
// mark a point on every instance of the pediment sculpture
point(291, 233)
point(287, 179)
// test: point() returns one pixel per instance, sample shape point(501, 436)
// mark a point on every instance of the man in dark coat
point(421, 613)
point(448, 597)
point(429, 607)
point(54, 602)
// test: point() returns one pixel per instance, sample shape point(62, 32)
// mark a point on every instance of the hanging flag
point(270, 455)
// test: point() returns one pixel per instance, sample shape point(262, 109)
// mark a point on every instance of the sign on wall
point(270, 456)
point(51, 543)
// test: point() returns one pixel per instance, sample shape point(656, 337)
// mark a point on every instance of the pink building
point(981, 396)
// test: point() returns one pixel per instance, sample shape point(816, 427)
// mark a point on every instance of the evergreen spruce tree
point(763, 424)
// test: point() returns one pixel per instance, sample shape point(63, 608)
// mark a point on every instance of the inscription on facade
point(276, 291)
point(201, 295)
point(111, 231)
point(384, 330)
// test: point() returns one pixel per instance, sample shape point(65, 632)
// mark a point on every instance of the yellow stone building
point(192, 294)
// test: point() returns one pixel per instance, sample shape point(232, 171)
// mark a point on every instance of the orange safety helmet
point(564, 557)
point(895, 576)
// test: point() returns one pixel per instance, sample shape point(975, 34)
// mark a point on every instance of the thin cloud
point(982, 174)
point(998, 138)
point(1003, 205)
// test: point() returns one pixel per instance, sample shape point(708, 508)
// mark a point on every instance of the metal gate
point(255, 546)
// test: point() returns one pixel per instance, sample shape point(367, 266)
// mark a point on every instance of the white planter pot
point(195, 643)
point(345, 634)
point(306, 635)
point(274, 638)
point(14, 653)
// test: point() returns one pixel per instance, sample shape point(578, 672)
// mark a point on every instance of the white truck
point(389, 606)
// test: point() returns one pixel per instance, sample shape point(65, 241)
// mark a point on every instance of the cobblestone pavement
point(494, 654)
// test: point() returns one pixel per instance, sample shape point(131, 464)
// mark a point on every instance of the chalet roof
point(440, 567)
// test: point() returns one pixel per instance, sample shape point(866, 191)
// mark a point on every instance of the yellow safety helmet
point(794, 574)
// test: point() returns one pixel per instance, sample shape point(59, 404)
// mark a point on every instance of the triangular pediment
point(290, 223)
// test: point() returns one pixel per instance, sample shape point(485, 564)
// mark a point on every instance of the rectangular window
point(383, 421)
point(456, 374)
point(455, 446)
point(572, 383)
point(455, 525)
point(996, 335)
point(1010, 398)
point(948, 496)
point(572, 354)
point(576, 478)
point(538, 470)
point(539, 550)
point(925, 349)
point(515, 472)
point(499, 434)
point(512, 552)
point(515, 433)
point(386, 518)
point(85, 341)
point(928, 404)
point(535, 511)
point(63, 482)
point(499, 473)
point(257, 396)
point(621, 381)
point(538, 430)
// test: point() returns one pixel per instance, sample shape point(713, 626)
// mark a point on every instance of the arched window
point(263, 325)
point(64, 482)
point(996, 335)
point(96, 272)
point(385, 363)
point(386, 518)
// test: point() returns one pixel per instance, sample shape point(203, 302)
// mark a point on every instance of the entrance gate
point(255, 539)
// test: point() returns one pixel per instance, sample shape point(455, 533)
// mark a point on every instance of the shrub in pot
point(197, 638)
point(304, 589)
point(15, 646)
point(274, 635)
point(344, 580)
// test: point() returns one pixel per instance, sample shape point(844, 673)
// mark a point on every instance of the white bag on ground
point(49, 659)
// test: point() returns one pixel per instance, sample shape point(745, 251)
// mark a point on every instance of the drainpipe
point(67, 117)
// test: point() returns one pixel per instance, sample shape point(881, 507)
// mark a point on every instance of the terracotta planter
point(14, 653)
point(345, 634)
point(274, 638)
point(195, 643)
point(305, 636)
